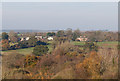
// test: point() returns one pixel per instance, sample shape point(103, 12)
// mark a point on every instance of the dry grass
point(67, 73)
point(62, 65)
point(8, 69)
point(110, 60)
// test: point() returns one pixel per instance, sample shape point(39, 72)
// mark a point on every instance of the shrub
point(91, 46)
point(47, 61)
point(5, 45)
point(90, 67)
point(39, 50)
point(65, 48)
point(41, 43)
point(30, 60)
point(23, 44)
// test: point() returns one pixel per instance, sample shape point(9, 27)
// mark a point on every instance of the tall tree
point(5, 44)
point(13, 36)
point(50, 34)
point(60, 33)
point(69, 32)
point(32, 41)
point(76, 34)
point(5, 36)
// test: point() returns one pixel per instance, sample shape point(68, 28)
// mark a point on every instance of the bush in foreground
point(39, 50)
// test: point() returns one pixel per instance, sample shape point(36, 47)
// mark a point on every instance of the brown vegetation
point(66, 60)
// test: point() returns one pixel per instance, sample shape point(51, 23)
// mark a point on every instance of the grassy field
point(108, 44)
point(111, 42)
point(78, 43)
point(50, 48)
point(98, 43)
point(26, 51)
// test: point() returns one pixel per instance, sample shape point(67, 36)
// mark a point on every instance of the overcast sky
point(60, 15)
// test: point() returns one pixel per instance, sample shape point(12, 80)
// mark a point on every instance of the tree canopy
point(5, 35)
point(40, 50)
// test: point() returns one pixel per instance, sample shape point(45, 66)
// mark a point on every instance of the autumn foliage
point(90, 67)
point(30, 60)
point(5, 44)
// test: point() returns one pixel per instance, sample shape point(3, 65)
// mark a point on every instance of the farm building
point(82, 38)
point(38, 37)
point(27, 38)
point(22, 39)
point(50, 38)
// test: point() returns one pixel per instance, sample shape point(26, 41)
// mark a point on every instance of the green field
point(78, 43)
point(111, 42)
point(50, 48)
point(98, 43)
point(26, 51)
